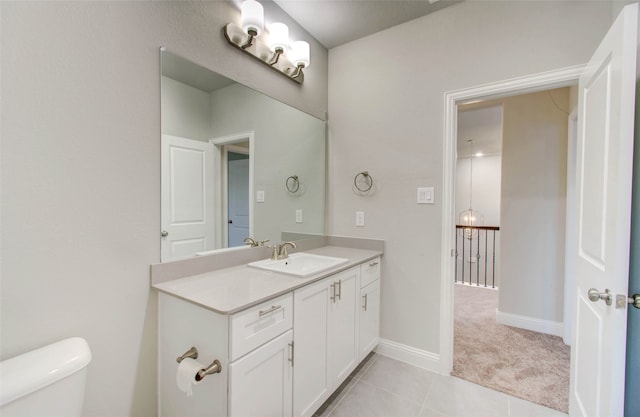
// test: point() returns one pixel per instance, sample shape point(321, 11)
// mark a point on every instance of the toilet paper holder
point(214, 368)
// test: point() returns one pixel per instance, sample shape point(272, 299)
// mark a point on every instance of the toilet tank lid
point(31, 371)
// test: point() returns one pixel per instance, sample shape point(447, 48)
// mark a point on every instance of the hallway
point(522, 363)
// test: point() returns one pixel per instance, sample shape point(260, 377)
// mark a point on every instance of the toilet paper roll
point(186, 375)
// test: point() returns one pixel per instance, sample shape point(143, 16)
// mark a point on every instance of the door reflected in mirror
point(226, 154)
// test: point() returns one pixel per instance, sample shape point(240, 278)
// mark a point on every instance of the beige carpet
point(529, 365)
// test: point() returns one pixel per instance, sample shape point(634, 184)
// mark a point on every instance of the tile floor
point(384, 387)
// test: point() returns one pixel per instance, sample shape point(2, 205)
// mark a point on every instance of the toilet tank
point(48, 381)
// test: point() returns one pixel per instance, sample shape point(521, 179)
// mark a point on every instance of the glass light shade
point(278, 36)
point(252, 16)
point(299, 54)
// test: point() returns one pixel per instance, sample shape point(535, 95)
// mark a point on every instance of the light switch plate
point(298, 216)
point(426, 195)
point(259, 196)
point(360, 218)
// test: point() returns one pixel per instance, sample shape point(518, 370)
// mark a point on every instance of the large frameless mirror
point(234, 164)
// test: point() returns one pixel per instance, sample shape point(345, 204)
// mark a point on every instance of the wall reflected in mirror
point(227, 152)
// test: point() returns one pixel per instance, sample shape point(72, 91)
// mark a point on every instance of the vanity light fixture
point(252, 20)
point(273, 48)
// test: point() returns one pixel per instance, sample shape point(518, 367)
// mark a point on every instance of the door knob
point(164, 233)
point(595, 295)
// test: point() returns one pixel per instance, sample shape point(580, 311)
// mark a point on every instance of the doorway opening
point(234, 188)
point(511, 187)
point(237, 196)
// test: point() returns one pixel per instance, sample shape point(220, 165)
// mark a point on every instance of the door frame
point(221, 192)
point(563, 77)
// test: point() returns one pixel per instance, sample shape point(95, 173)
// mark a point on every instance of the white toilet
point(48, 381)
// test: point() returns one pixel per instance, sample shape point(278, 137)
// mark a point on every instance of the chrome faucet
point(254, 243)
point(250, 241)
point(280, 251)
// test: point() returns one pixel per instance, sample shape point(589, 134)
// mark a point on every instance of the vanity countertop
point(234, 289)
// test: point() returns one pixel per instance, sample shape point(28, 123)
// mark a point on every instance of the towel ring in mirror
point(293, 184)
point(363, 181)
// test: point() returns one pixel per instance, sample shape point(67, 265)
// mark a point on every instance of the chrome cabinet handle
point(271, 310)
point(364, 307)
point(339, 295)
point(164, 233)
point(333, 292)
point(373, 263)
point(291, 350)
point(595, 295)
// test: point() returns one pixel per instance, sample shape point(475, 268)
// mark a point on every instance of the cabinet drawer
point(255, 326)
point(369, 272)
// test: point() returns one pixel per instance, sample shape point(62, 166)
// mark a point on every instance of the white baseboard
point(416, 357)
point(554, 328)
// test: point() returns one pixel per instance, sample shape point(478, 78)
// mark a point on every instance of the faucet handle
point(276, 251)
point(262, 242)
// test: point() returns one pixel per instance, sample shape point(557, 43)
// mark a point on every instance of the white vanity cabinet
point(260, 372)
point(254, 347)
point(326, 338)
point(261, 383)
point(369, 328)
point(281, 358)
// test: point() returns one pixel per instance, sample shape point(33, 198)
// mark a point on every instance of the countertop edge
point(371, 254)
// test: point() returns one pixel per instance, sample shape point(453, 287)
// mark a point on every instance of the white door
point(603, 185)
point(260, 384)
point(238, 196)
point(187, 210)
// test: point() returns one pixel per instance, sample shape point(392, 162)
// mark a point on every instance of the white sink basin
point(300, 264)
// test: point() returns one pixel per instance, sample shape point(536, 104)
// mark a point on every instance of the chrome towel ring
point(293, 184)
point(363, 181)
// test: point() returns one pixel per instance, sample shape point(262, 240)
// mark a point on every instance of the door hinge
point(623, 300)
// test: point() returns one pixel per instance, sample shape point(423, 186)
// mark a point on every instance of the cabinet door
point(342, 355)
point(310, 314)
point(369, 318)
point(260, 383)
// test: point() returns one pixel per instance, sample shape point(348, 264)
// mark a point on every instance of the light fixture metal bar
point(237, 38)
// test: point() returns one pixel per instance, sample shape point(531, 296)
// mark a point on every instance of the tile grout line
point(390, 392)
point(426, 397)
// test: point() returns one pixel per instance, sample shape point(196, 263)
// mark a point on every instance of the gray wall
point(386, 116)
point(186, 111)
point(532, 212)
point(632, 400)
point(81, 179)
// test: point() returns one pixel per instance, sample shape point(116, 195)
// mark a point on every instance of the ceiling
point(334, 22)
point(192, 74)
point(483, 126)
